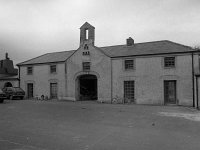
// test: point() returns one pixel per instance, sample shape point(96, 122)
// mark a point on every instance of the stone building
point(8, 74)
point(160, 72)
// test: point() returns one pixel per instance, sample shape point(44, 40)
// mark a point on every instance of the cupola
point(87, 34)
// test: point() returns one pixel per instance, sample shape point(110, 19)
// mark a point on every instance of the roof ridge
point(137, 43)
point(60, 51)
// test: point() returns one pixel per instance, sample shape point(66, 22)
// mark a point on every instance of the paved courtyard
point(59, 125)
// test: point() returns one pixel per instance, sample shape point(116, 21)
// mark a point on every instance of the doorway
point(87, 87)
point(170, 92)
point(53, 90)
point(29, 90)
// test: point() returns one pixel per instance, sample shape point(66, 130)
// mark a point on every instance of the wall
point(100, 66)
point(41, 79)
point(15, 83)
point(149, 76)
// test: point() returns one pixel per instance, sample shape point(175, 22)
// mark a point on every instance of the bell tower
point(87, 34)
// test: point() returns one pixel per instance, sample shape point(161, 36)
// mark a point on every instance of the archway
point(8, 84)
point(87, 87)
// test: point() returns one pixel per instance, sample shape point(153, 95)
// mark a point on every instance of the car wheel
point(22, 97)
point(1, 100)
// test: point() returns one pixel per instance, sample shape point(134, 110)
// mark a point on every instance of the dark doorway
point(30, 90)
point(53, 90)
point(170, 92)
point(88, 87)
point(8, 84)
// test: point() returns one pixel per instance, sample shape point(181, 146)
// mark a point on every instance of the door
point(129, 91)
point(53, 90)
point(30, 90)
point(170, 91)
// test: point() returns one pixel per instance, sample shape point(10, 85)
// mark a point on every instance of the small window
point(86, 66)
point(53, 69)
point(29, 70)
point(86, 53)
point(169, 62)
point(129, 64)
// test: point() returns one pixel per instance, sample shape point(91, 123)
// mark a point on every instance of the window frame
point(50, 68)
point(28, 70)
point(129, 90)
point(133, 65)
point(83, 66)
point(169, 66)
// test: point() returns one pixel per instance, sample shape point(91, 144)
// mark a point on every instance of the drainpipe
point(19, 75)
point(111, 81)
point(193, 80)
point(197, 92)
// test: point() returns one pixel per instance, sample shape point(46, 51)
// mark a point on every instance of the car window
point(9, 90)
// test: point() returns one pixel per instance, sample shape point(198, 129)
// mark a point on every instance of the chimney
point(129, 42)
point(7, 56)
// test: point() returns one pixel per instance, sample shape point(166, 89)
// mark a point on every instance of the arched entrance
point(87, 87)
point(8, 84)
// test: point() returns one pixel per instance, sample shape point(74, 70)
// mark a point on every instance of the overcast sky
point(29, 28)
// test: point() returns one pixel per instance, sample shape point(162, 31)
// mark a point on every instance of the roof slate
point(49, 58)
point(148, 48)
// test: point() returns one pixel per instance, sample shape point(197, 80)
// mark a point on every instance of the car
point(14, 92)
point(2, 96)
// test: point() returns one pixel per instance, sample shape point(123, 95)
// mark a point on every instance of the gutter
point(186, 52)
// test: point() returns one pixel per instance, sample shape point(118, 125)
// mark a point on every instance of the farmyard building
point(160, 72)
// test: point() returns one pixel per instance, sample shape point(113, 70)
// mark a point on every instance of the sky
point(30, 28)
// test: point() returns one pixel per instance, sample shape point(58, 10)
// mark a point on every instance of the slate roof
point(148, 48)
point(49, 58)
point(138, 49)
point(86, 25)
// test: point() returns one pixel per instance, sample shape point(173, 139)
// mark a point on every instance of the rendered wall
point(100, 66)
point(42, 78)
point(149, 76)
point(15, 83)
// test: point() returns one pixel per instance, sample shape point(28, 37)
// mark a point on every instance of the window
point(86, 66)
point(29, 70)
point(129, 91)
point(53, 69)
point(129, 64)
point(169, 62)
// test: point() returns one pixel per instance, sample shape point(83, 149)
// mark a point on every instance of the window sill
point(170, 67)
point(129, 70)
point(53, 73)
